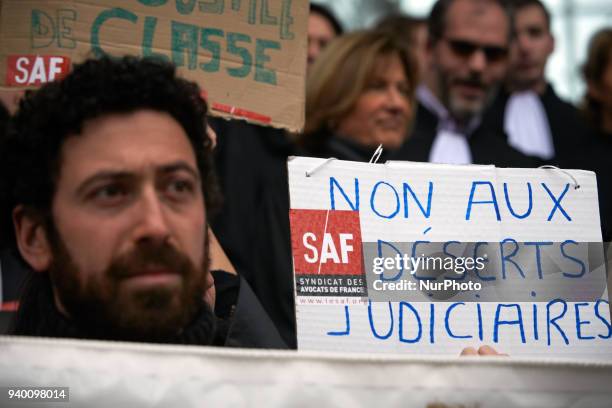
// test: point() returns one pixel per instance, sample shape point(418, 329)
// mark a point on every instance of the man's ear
point(593, 90)
point(31, 238)
point(552, 44)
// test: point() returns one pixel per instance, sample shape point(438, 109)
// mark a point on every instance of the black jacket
point(597, 157)
point(568, 131)
point(487, 144)
point(253, 224)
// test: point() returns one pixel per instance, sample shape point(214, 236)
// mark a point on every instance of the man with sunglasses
point(535, 119)
point(468, 49)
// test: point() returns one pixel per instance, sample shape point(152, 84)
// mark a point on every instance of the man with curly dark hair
point(113, 182)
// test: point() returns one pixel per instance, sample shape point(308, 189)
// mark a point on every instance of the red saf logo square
point(326, 242)
point(28, 70)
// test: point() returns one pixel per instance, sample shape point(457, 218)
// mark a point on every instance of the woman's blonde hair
point(341, 73)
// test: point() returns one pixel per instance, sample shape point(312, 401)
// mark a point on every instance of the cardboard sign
point(429, 259)
point(249, 56)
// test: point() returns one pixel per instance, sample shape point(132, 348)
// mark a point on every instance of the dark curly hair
point(30, 154)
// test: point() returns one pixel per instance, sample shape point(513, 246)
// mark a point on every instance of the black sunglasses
point(463, 48)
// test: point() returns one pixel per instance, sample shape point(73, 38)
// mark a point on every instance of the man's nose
point(477, 61)
point(522, 42)
point(152, 224)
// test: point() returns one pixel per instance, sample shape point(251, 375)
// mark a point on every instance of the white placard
point(343, 209)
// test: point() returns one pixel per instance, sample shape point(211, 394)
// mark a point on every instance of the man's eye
point(180, 188)
point(109, 195)
point(535, 32)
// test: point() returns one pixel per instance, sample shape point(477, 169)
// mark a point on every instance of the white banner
point(112, 374)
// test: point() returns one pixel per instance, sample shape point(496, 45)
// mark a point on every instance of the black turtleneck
point(343, 148)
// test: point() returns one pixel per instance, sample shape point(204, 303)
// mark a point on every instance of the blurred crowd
point(466, 85)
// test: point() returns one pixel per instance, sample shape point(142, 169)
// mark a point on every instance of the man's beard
point(103, 308)
point(463, 111)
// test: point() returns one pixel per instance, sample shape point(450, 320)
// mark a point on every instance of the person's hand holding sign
point(482, 351)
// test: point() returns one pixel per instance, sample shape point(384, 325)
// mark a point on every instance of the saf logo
point(27, 70)
point(326, 242)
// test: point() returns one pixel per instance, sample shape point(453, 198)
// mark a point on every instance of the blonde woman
point(359, 94)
